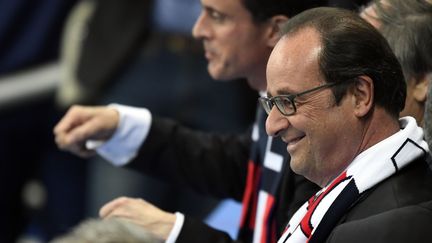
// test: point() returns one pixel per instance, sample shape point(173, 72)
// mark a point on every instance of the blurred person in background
point(407, 26)
point(142, 53)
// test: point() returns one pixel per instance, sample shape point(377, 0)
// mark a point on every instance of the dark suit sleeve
point(209, 163)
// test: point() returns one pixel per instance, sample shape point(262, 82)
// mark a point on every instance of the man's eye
point(283, 102)
point(217, 16)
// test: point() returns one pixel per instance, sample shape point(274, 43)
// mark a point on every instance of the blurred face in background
point(416, 88)
point(235, 46)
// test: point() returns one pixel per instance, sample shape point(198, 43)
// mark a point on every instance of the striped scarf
point(314, 221)
point(267, 160)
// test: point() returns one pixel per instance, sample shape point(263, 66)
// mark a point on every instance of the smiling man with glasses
point(372, 166)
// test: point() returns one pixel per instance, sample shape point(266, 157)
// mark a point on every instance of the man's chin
point(220, 76)
point(294, 166)
point(297, 166)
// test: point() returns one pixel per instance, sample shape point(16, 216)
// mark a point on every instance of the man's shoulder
point(411, 185)
point(403, 224)
point(396, 210)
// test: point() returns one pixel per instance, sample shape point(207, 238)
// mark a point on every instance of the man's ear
point(420, 88)
point(273, 31)
point(363, 96)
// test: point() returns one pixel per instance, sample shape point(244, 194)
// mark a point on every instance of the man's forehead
point(303, 45)
point(223, 5)
point(293, 56)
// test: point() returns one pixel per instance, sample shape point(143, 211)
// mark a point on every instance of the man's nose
point(276, 122)
point(198, 30)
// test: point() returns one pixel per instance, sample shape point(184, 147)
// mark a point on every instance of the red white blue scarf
point(316, 218)
point(267, 161)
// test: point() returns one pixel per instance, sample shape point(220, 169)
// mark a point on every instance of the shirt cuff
point(122, 147)
point(172, 237)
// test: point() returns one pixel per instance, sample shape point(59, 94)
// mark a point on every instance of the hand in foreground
point(83, 123)
point(141, 213)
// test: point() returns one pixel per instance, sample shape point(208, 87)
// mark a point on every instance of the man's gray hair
point(107, 231)
point(407, 26)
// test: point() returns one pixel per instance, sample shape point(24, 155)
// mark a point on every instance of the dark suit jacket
point(398, 209)
point(215, 165)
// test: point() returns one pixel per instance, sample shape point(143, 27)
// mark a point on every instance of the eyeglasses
point(285, 103)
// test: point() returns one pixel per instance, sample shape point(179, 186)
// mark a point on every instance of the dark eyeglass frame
point(279, 100)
